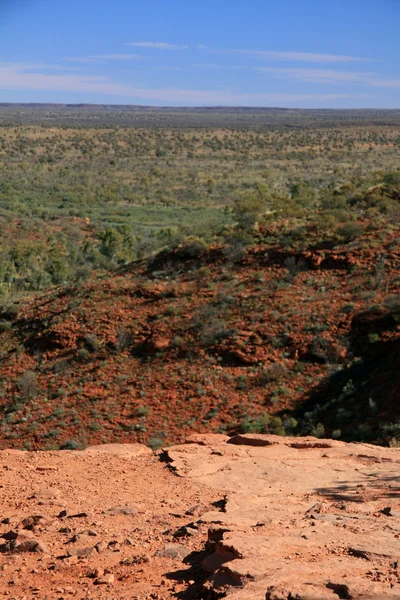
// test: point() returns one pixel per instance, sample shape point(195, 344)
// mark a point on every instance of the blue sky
point(290, 53)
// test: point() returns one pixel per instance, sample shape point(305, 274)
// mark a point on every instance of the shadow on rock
point(195, 576)
point(370, 488)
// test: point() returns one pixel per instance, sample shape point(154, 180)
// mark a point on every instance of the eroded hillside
point(278, 340)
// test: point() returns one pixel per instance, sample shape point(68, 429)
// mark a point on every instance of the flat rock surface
point(302, 518)
point(254, 516)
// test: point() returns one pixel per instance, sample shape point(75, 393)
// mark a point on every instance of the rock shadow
point(372, 487)
point(195, 577)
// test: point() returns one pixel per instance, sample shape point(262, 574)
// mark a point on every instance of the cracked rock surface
point(250, 517)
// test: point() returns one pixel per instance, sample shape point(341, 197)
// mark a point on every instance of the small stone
point(31, 522)
point(105, 580)
point(101, 547)
point(24, 546)
point(194, 510)
point(138, 559)
point(96, 573)
point(121, 510)
point(130, 542)
point(42, 548)
point(80, 538)
point(174, 551)
point(71, 560)
point(186, 530)
point(81, 552)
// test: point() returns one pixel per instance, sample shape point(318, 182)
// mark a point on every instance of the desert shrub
point(326, 222)
point(156, 443)
point(265, 423)
point(271, 373)
point(337, 215)
point(178, 341)
point(72, 445)
point(28, 385)
point(8, 313)
point(373, 338)
point(192, 248)
point(338, 202)
point(202, 274)
point(350, 231)
point(5, 326)
point(294, 266)
point(248, 210)
point(303, 193)
point(236, 244)
point(92, 342)
point(215, 331)
point(393, 302)
point(124, 338)
point(82, 353)
point(392, 178)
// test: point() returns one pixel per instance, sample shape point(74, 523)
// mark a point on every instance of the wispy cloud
point(288, 56)
point(21, 78)
point(116, 57)
point(157, 45)
point(331, 76)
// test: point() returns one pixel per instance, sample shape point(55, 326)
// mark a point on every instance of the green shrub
point(92, 342)
point(192, 248)
point(350, 231)
point(28, 385)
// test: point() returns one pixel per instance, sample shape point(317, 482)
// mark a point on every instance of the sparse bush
point(215, 331)
point(248, 210)
point(271, 373)
point(124, 338)
point(350, 231)
point(5, 326)
point(92, 342)
point(236, 246)
point(28, 385)
point(192, 248)
point(82, 353)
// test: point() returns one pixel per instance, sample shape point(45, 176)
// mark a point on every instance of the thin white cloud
point(157, 45)
point(19, 78)
point(331, 76)
point(287, 56)
point(116, 57)
point(42, 66)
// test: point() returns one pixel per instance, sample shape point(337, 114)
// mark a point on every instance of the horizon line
point(185, 107)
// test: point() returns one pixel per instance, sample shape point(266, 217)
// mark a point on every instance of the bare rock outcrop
point(303, 518)
point(249, 517)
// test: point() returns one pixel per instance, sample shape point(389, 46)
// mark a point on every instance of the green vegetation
point(199, 265)
point(74, 198)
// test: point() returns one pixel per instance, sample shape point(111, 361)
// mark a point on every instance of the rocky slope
point(198, 343)
point(247, 517)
